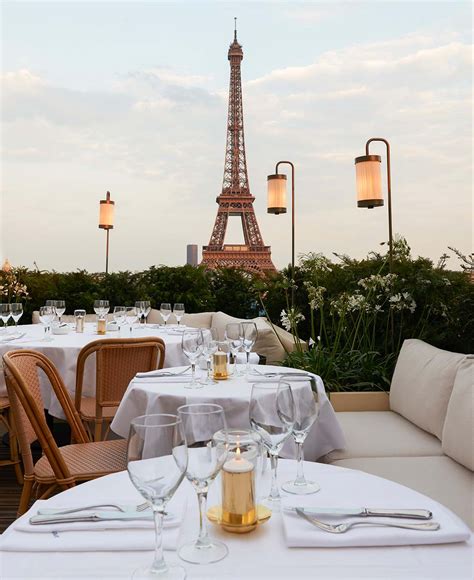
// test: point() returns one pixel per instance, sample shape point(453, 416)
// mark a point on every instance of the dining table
point(63, 350)
point(153, 393)
point(286, 546)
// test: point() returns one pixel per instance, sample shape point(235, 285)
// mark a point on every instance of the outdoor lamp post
point(106, 222)
point(369, 185)
point(276, 203)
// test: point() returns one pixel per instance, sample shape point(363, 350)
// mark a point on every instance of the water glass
point(46, 316)
point(206, 456)
point(16, 312)
point(192, 343)
point(165, 311)
point(131, 316)
point(157, 476)
point(5, 313)
point(272, 416)
point(178, 311)
point(249, 334)
point(305, 397)
point(119, 316)
point(234, 335)
point(79, 316)
point(210, 346)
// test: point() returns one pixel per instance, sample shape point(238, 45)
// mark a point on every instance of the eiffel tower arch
point(235, 198)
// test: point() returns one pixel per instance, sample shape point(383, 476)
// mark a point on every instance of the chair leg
point(15, 457)
point(98, 430)
point(25, 496)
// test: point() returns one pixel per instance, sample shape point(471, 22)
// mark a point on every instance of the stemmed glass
point(165, 311)
point(306, 401)
point(131, 316)
point(5, 313)
point(147, 307)
point(46, 316)
point(192, 343)
point(119, 316)
point(101, 308)
point(60, 308)
point(210, 346)
point(157, 476)
point(140, 308)
point(178, 311)
point(206, 456)
point(234, 335)
point(272, 415)
point(16, 310)
point(249, 333)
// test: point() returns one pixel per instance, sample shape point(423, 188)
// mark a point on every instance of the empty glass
point(165, 311)
point(157, 476)
point(60, 308)
point(249, 334)
point(178, 311)
point(206, 456)
point(46, 316)
point(272, 415)
point(192, 343)
point(210, 346)
point(131, 316)
point(101, 308)
point(79, 316)
point(119, 316)
point(234, 335)
point(141, 307)
point(305, 397)
point(5, 313)
point(16, 312)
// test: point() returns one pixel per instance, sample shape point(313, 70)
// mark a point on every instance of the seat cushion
point(458, 431)
point(87, 460)
point(422, 383)
point(441, 478)
point(267, 344)
point(88, 410)
point(382, 434)
point(194, 320)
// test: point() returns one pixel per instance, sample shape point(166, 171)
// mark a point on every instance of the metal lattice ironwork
point(236, 199)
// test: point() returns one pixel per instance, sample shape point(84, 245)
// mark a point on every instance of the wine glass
point(101, 308)
point(119, 316)
point(306, 401)
point(272, 415)
point(60, 308)
point(192, 343)
point(131, 316)
point(234, 335)
point(147, 306)
point(46, 316)
point(140, 307)
point(165, 311)
point(210, 346)
point(16, 310)
point(206, 456)
point(5, 313)
point(250, 334)
point(178, 311)
point(157, 476)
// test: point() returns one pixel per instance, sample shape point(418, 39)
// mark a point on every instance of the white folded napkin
point(299, 533)
point(21, 536)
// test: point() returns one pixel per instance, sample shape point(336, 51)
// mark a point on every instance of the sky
point(131, 97)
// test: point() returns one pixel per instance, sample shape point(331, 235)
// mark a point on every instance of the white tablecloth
point(64, 349)
point(234, 395)
point(259, 554)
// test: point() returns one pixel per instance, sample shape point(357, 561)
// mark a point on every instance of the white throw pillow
point(422, 384)
point(458, 432)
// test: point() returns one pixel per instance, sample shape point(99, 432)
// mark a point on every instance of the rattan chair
point(59, 467)
point(117, 361)
point(7, 419)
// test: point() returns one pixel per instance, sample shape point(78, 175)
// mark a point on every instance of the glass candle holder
point(238, 512)
point(79, 315)
point(219, 360)
point(101, 326)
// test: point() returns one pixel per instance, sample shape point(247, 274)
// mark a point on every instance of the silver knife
point(369, 512)
point(89, 517)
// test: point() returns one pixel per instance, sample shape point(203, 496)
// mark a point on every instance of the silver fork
point(139, 508)
point(342, 528)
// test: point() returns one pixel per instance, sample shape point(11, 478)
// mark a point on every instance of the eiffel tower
point(236, 199)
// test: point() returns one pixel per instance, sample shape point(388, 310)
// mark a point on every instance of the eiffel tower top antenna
point(235, 28)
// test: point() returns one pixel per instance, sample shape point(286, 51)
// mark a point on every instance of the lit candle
point(239, 513)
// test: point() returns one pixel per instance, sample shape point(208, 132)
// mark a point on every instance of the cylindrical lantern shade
point(369, 181)
point(276, 189)
point(106, 215)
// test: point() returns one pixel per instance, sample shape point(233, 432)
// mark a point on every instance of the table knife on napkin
point(417, 514)
point(97, 516)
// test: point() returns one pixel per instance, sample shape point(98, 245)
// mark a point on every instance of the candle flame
point(237, 453)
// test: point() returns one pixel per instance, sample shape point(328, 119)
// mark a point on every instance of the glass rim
point(216, 408)
point(136, 421)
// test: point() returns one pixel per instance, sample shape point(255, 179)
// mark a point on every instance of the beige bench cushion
point(422, 384)
point(440, 478)
point(458, 432)
point(195, 320)
point(267, 343)
point(382, 434)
